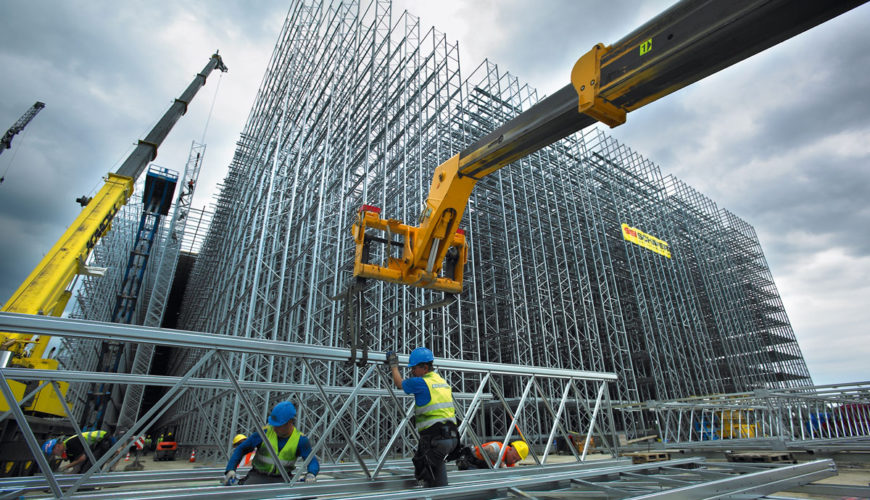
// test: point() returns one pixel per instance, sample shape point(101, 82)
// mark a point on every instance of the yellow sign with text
point(647, 241)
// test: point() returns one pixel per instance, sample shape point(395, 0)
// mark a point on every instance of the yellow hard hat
point(522, 449)
point(239, 438)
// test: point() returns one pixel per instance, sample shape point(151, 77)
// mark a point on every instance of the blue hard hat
point(48, 446)
point(420, 355)
point(282, 413)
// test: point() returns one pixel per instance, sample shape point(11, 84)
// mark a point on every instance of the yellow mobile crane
point(685, 43)
point(45, 291)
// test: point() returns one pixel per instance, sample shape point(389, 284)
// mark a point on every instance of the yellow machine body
point(44, 292)
point(424, 248)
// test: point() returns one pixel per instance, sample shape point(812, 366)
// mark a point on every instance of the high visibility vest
point(440, 405)
point(91, 437)
point(492, 449)
point(287, 455)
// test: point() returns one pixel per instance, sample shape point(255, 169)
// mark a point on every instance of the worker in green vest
point(434, 415)
point(285, 439)
point(72, 449)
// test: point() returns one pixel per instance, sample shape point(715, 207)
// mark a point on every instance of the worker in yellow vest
point(285, 439)
point(72, 449)
point(434, 415)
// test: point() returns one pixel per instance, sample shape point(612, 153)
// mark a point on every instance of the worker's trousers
point(256, 477)
point(436, 443)
point(99, 449)
point(467, 460)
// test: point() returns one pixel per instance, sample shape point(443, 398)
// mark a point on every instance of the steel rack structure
point(180, 232)
point(345, 422)
point(358, 105)
point(94, 298)
point(823, 418)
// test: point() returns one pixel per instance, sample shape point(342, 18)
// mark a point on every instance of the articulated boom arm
point(687, 42)
point(424, 248)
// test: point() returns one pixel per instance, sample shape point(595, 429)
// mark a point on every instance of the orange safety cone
point(127, 458)
point(193, 455)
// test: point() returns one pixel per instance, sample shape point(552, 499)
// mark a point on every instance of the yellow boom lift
point(45, 291)
point(685, 43)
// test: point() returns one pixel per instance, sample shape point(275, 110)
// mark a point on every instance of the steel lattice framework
point(359, 105)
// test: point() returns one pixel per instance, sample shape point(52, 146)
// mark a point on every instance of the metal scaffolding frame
point(359, 105)
point(824, 418)
point(177, 234)
point(345, 423)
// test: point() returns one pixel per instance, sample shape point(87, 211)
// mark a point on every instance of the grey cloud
point(828, 200)
point(540, 42)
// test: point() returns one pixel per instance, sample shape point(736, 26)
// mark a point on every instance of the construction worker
point(246, 462)
point(73, 450)
point(434, 415)
point(285, 439)
point(473, 458)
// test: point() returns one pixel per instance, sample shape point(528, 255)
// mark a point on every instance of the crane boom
point(685, 43)
point(44, 292)
point(18, 126)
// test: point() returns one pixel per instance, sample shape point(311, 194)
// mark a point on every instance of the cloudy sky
point(782, 139)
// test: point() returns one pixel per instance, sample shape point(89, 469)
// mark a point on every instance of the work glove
point(392, 360)
point(230, 478)
point(310, 478)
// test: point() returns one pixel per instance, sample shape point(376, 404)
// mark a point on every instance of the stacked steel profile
point(582, 255)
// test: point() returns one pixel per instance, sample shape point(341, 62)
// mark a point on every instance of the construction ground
point(182, 479)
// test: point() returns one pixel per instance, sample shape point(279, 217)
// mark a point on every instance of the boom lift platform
point(159, 188)
point(685, 43)
point(157, 198)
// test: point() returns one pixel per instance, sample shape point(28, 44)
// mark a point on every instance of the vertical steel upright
point(358, 105)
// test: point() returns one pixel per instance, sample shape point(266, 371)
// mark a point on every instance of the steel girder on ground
point(823, 417)
point(683, 478)
point(332, 416)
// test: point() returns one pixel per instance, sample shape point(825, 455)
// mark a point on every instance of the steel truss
point(828, 418)
point(683, 478)
point(359, 105)
point(345, 422)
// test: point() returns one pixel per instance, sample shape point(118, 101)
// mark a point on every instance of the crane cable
point(208, 119)
point(21, 137)
point(213, 100)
